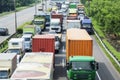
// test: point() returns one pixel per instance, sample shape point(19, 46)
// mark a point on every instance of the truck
point(39, 20)
point(60, 16)
point(35, 66)
point(80, 63)
point(73, 24)
point(58, 40)
point(16, 45)
point(72, 14)
point(55, 25)
point(27, 41)
point(47, 17)
point(8, 64)
point(43, 43)
point(87, 25)
point(56, 22)
point(29, 29)
point(73, 5)
point(80, 8)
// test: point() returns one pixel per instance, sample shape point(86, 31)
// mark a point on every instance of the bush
point(19, 30)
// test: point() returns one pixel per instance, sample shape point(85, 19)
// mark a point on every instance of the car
point(3, 31)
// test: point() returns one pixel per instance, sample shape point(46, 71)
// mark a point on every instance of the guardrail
point(107, 50)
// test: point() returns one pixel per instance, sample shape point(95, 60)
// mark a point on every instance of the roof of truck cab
point(4, 68)
point(7, 56)
point(86, 21)
point(16, 40)
point(82, 58)
point(27, 35)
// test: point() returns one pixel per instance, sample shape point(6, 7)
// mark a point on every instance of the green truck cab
point(29, 29)
point(40, 21)
point(81, 68)
point(73, 5)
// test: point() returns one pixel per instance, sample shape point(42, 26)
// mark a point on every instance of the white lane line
point(98, 76)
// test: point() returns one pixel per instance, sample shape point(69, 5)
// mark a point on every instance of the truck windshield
point(81, 66)
point(3, 74)
point(27, 39)
point(86, 25)
point(14, 51)
point(54, 24)
point(38, 22)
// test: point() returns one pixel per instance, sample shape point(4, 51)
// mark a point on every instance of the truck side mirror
point(96, 66)
point(67, 66)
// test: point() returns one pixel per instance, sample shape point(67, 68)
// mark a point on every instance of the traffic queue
point(33, 54)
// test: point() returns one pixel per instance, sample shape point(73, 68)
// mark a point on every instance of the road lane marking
point(98, 76)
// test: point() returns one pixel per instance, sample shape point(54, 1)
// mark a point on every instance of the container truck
point(16, 45)
point(59, 16)
point(80, 8)
point(8, 63)
point(35, 66)
point(56, 22)
point(72, 14)
point(43, 43)
point(81, 64)
point(47, 17)
point(58, 40)
point(87, 25)
point(55, 25)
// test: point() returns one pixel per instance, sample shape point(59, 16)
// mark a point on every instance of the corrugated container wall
point(78, 43)
point(43, 43)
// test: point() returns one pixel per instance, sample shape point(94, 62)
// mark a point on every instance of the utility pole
point(15, 16)
point(35, 7)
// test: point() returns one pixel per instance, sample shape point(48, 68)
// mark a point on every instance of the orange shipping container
point(43, 43)
point(78, 43)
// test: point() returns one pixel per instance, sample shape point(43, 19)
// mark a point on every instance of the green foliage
point(106, 13)
point(8, 5)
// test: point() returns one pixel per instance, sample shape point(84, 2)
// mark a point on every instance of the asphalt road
point(22, 17)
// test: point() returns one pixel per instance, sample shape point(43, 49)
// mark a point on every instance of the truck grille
point(81, 76)
point(54, 28)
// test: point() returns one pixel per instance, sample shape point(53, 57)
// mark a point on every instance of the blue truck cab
point(87, 24)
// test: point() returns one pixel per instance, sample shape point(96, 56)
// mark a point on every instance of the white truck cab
point(55, 25)
point(16, 45)
point(27, 41)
